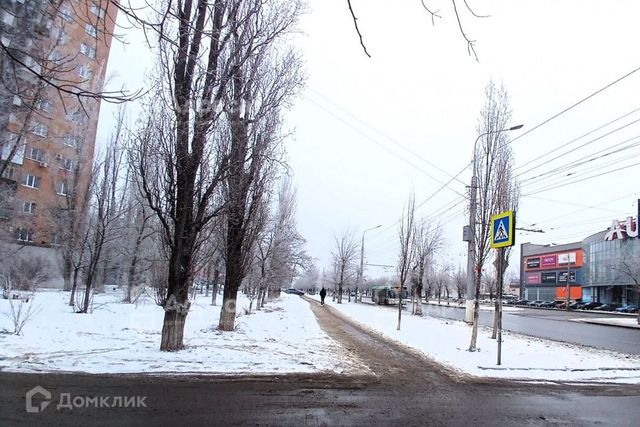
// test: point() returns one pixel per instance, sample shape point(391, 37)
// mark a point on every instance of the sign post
point(503, 228)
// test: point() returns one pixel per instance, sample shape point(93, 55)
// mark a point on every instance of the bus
point(388, 295)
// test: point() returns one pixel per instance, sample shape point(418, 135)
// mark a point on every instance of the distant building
point(47, 136)
point(545, 268)
point(595, 267)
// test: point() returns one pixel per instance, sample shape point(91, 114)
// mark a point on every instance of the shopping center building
point(604, 267)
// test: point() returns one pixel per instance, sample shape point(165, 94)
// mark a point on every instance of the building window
point(66, 14)
point(91, 30)
point(43, 105)
point(70, 141)
point(66, 164)
point(32, 64)
point(24, 234)
point(31, 181)
point(98, 11)
point(36, 154)
point(39, 129)
point(87, 50)
point(56, 239)
point(7, 18)
point(84, 72)
point(62, 188)
point(77, 117)
point(30, 208)
point(9, 172)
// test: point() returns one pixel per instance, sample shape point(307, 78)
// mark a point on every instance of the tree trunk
point(87, 298)
point(74, 287)
point(418, 300)
point(476, 313)
point(173, 330)
point(228, 313)
point(67, 272)
point(495, 322)
point(214, 290)
point(340, 293)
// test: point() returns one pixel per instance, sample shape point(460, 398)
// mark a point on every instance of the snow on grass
point(527, 358)
point(125, 338)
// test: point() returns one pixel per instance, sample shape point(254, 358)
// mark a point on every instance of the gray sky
point(369, 131)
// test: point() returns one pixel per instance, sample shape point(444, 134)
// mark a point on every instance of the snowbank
point(446, 341)
point(125, 338)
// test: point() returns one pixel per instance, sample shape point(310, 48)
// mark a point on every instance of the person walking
point(323, 293)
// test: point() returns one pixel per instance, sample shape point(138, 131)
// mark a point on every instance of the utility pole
point(568, 296)
point(470, 230)
point(361, 269)
point(500, 286)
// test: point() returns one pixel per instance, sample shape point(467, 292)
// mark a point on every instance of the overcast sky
point(369, 131)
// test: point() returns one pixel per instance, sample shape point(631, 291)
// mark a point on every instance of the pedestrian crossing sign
point(503, 227)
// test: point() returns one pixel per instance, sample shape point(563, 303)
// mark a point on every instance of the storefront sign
point(549, 261)
point(623, 230)
point(568, 257)
point(533, 263)
point(549, 277)
point(562, 277)
point(533, 278)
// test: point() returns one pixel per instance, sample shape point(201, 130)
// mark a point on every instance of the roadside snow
point(125, 338)
point(523, 357)
point(628, 322)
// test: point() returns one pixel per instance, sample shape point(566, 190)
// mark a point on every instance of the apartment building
point(53, 57)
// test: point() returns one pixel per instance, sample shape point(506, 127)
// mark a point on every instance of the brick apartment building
point(47, 134)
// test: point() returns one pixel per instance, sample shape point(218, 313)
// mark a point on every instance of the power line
point(564, 145)
point(583, 145)
point(379, 132)
point(393, 153)
point(586, 160)
point(547, 188)
point(576, 104)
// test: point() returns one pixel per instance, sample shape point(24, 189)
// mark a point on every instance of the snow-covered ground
point(125, 338)
point(523, 357)
point(628, 322)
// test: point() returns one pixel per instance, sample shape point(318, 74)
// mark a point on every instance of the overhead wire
point(566, 144)
point(393, 153)
point(572, 106)
point(390, 139)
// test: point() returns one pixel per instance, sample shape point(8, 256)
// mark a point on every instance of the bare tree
point(628, 269)
point(427, 241)
point(180, 158)
point(105, 211)
point(344, 262)
point(261, 84)
point(494, 178)
point(460, 280)
point(433, 14)
point(406, 230)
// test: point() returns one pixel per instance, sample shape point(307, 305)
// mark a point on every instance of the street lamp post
point(471, 235)
point(361, 269)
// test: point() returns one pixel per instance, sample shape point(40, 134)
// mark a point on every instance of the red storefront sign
point(533, 278)
point(549, 261)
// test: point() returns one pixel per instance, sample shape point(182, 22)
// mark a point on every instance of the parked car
point(607, 307)
point(627, 308)
point(591, 305)
point(521, 302)
point(547, 304)
point(535, 303)
point(294, 291)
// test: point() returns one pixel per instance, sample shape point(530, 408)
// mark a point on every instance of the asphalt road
point(402, 388)
point(555, 325)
